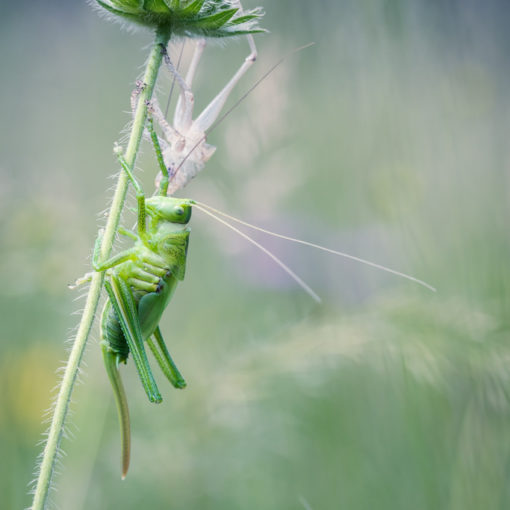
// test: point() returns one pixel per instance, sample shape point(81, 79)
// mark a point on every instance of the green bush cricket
point(140, 282)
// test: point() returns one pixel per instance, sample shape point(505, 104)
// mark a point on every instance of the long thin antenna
point(319, 247)
point(256, 84)
point(238, 102)
point(287, 269)
point(173, 81)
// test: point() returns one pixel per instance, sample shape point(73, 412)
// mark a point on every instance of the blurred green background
point(387, 139)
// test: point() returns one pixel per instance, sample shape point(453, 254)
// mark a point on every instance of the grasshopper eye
point(179, 211)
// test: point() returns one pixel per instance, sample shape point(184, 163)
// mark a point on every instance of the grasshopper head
point(173, 210)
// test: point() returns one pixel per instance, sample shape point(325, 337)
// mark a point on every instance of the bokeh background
point(388, 139)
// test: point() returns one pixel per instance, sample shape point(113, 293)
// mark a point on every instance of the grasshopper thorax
point(173, 210)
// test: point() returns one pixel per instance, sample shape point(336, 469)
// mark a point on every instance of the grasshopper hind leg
point(124, 305)
point(165, 361)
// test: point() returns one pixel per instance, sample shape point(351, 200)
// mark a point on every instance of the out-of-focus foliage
point(388, 139)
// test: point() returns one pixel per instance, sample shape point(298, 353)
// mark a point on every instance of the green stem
point(55, 432)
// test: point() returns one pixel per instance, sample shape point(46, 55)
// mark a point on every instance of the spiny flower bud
point(188, 18)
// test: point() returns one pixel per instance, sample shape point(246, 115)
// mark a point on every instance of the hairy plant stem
point(50, 453)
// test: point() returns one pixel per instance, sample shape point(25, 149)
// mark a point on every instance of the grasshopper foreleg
point(140, 195)
point(111, 262)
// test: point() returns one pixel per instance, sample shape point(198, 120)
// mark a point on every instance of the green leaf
point(122, 14)
point(192, 9)
point(127, 6)
point(243, 19)
point(227, 32)
point(215, 21)
point(156, 7)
